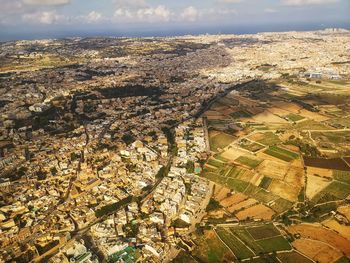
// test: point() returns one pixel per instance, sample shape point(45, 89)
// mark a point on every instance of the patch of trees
point(128, 139)
point(305, 148)
point(130, 91)
point(190, 167)
point(213, 205)
point(178, 223)
point(169, 134)
point(42, 175)
point(108, 209)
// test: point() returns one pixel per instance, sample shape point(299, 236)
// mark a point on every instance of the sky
point(29, 19)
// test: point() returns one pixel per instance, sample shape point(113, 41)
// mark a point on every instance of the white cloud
point(46, 2)
point(10, 7)
point(189, 14)
point(45, 17)
point(130, 3)
point(160, 13)
point(122, 13)
point(215, 14)
point(228, 1)
point(270, 10)
point(150, 14)
point(7, 5)
point(93, 17)
point(307, 2)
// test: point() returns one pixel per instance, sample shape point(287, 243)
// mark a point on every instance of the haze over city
point(20, 19)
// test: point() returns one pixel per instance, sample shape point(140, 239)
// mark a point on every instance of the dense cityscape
point(210, 148)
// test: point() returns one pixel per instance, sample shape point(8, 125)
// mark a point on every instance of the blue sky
point(41, 18)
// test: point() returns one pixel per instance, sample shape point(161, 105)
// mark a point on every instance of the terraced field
point(281, 153)
point(252, 241)
point(250, 162)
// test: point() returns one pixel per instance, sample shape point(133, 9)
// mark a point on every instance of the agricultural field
point(343, 259)
point(342, 229)
point(221, 192)
point(227, 177)
point(287, 162)
point(334, 191)
point(282, 154)
point(241, 180)
point(184, 257)
point(240, 114)
point(239, 206)
point(268, 117)
point(293, 257)
point(334, 163)
point(315, 184)
point(251, 146)
point(318, 233)
point(219, 140)
point(210, 249)
point(336, 142)
point(266, 138)
point(245, 242)
point(345, 211)
point(258, 211)
point(316, 250)
point(263, 231)
point(248, 161)
point(294, 117)
point(265, 182)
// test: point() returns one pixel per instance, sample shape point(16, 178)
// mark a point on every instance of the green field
point(265, 182)
point(236, 185)
point(253, 163)
point(343, 259)
point(281, 205)
point(270, 139)
point(265, 244)
point(242, 243)
point(209, 170)
point(262, 195)
point(334, 191)
point(220, 158)
point(217, 178)
point(227, 178)
point(240, 114)
point(183, 257)
point(247, 239)
point(210, 249)
point(264, 231)
point(213, 122)
point(332, 137)
point(318, 211)
point(278, 155)
point(238, 247)
point(220, 140)
point(311, 125)
point(225, 101)
point(235, 172)
point(278, 243)
point(264, 259)
point(293, 257)
point(281, 153)
point(342, 176)
point(215, 163)
point(340, 122)
point(294, 117)
point(251, 146)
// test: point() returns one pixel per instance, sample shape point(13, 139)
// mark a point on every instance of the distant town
point(211, 148)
